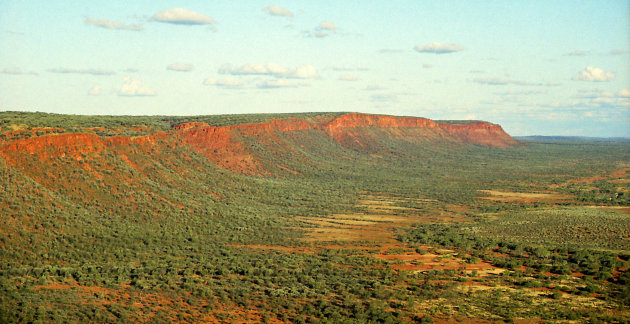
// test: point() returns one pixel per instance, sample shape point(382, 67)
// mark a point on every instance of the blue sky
point(535, 67)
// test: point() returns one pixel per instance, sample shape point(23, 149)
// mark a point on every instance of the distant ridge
point(541, 138)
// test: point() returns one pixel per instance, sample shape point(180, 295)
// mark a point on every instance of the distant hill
point(571, 139)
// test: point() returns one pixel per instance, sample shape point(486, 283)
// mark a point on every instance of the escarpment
point(257, 148)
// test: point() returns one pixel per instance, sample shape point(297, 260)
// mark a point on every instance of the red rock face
point(45, 147)
point(225, 145)
point(221, 146)
point(378, 121)
point(480, 133)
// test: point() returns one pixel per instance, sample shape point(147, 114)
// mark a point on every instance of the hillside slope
point(54, 175)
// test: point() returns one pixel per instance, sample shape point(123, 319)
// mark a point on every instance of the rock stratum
point(257, 148)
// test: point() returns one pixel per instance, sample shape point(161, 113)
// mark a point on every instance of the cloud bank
point(112, 24)
point(180, 67)
point(504, 81)
point(14, 71)
point(597, 98)
point(305, 71)
point(277, 83)
point(81, 71)
point(438, 48)
point(181, 16)
point(578, 53)
point(226, 83)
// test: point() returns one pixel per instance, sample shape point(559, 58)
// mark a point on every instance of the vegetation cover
point(318, 217)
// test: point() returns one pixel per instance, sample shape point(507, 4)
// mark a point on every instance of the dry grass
point(522, 196)
point(377, 218)
point(379, 221)
point(619, 209)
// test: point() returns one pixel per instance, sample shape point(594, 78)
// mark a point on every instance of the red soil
point(221, 146)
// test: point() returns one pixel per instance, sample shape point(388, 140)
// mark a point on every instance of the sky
point(534, 67)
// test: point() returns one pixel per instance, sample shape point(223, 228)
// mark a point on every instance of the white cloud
point(597, 98)
point(180, 67)
point(318, 34)
point(81, 71)
point(133, 88)
point(95, 90)
point(305, 71)
point(13, 70)
point(495, 81)
point(181, 16)
point(604, 100)
point(593, 93)
point(322, 30)
point(112, 24)
point(577, 53)
point(327, 25)
point(618, 52)
point(384, 98)
point(520, 93)
point(227, 82)
point(349, 69)
point(504, 81)
point(17, 71)
point(348, 77)
point(210, 81)
point(276, 83)
point(593, 74)
point(278, 11)
point(374, 87)
point(438, 48)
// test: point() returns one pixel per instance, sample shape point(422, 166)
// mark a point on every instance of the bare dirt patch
point(376, 228)
point(378, 223)
point(285, 249)
point(621, 175)
point(373, 231)
point(426, 258)
point(497, 195)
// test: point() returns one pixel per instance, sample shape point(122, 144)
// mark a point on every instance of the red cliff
point(231, 147)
